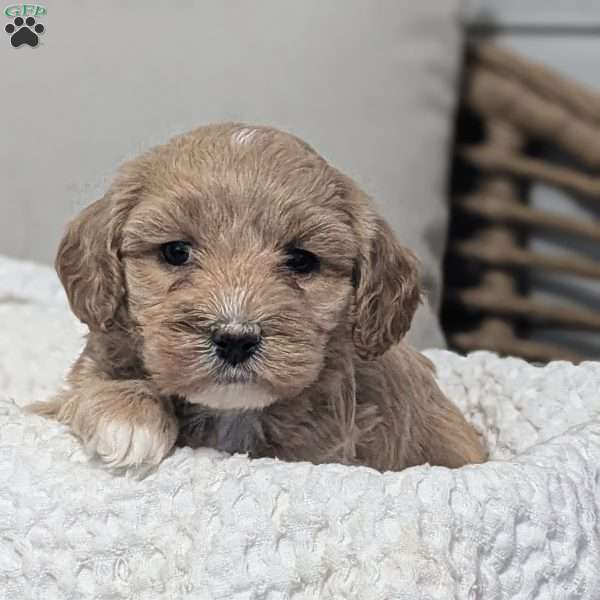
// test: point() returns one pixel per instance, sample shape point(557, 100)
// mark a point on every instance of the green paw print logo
point(24, 29)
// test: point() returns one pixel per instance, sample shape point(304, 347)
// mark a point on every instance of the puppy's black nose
point(234, 347)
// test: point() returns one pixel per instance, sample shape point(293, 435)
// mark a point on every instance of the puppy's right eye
point(302, 261)
point(176, 253)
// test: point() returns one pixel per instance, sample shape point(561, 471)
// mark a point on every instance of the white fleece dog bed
point(205, 525)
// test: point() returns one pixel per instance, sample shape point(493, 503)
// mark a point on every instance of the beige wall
point(370, 85)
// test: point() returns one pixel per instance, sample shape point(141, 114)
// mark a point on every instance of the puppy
point(242, 294)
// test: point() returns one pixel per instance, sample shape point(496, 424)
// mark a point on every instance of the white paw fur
point(120, 444)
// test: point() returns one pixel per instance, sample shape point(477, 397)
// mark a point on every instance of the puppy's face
point(238, 271)
point(238, 253)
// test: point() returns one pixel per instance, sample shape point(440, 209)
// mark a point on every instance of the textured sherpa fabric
point(205, 525)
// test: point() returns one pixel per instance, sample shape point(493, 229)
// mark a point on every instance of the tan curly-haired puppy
point(241, 293)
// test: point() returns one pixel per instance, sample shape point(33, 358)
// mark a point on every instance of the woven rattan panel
point(510, 108)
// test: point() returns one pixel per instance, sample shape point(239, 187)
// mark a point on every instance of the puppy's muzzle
point(236, 343)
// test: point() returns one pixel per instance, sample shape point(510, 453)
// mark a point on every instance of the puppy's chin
point(233, 396)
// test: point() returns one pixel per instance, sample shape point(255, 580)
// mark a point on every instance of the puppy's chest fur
point(318, 426)
point(231, 432)
point(295, 429)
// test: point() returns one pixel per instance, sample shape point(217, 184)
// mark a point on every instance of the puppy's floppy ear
point(387, 292)
point(88, 265)
point(88, 262)
point(386, 280)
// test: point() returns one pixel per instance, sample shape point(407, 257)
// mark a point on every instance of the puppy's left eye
point(302, 261)
point(176, 253)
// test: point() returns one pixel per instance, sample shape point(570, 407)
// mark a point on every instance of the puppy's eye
point(176, 253)
point(302, 261)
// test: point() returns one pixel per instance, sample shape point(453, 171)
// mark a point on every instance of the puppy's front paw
point(120, 443)
point(123, 423)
